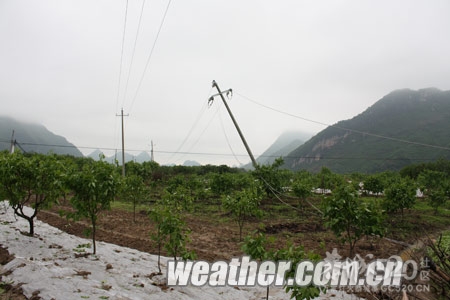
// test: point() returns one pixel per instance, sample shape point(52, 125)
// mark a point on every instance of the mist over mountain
point(32, 137)
point(402, 128)
point(283, 145)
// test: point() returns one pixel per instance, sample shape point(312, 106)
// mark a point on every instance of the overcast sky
point(60, 64)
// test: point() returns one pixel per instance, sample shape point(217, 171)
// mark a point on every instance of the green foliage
point(242, 205)
point(296, 254)
point(171, 230)
point(302, 187)
point(435, 185)
point(399, 115)
point(413, 171)
point(349, 218)
point(30, 180)
point(133, 189)
point(374, 184)
point(256, 245)
point(94, 187)
point(272, 178)
point(327, 180)
point(399, 195)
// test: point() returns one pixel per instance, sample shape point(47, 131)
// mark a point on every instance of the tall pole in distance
point(152, 158)
point(11, 149)
point(214, 84)
point(123, 143)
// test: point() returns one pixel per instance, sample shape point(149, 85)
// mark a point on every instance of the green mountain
point(283, 145)
point(402, 128)
point(32, 137)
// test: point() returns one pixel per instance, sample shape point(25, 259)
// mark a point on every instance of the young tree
point(374, 184)
point(171, 230)
point(35, 181)
point(327, 180)
point(302, 187)
point(270, 176)
point(349, 218)
point(400, 194)
point(95, 187)
point(242, 205)
point(134, 189)
point(435, 185)
point(257, 246)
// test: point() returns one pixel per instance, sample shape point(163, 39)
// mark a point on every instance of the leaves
point(349, 218)
point(95, 187)
point(33, 180)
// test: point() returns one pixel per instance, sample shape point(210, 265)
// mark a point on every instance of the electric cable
point(343, 128)
point(149, 56)
point(228, 142)
point(121, 55)
point(133, 53)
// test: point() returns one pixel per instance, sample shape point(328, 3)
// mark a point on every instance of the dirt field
point(214, 240)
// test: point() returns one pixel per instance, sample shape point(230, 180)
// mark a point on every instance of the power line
point(218, 154)
point(121, 55)
point(228, 142)
point(197, 119)
point(134, 51)
point(150, 55)
point(343, 128)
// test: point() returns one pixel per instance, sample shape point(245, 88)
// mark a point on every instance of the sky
point(72, 65)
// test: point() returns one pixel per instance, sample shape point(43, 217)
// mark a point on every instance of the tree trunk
point(93, 237)
point(134, 211)
point(31, 222)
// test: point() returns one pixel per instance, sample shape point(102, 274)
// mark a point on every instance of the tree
point(171, 230)
point(349, 218)
point(270, 176)
point(222, 184)
point(326, 180)
point(257, 246)
point(302, 187)
point(134, 189)
point(35, 181)
point(295, 255)
point(242, 205)
point(374, 184)
point(95, 187)
point(400, 194)
point(435, 185)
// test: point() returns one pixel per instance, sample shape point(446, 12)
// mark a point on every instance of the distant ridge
point(283, 145)
point(421, 117)
point(34, 138)
point(140, 158)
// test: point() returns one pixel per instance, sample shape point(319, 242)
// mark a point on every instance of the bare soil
point(214, 236)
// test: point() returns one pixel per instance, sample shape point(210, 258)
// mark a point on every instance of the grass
point(128, 206)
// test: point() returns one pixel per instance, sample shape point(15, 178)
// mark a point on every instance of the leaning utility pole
point(230, 91)
point(123, 143)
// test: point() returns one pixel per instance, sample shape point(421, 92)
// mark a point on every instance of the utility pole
point(11, 149)
point(230, 91)
point(123, 142)
point(152, 158)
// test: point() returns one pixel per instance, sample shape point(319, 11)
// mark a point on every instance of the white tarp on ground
point(47, 263)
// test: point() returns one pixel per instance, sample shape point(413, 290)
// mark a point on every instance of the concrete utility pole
point(11, 149)
point(123, 142)
point(230, 91)
point(152, 158)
